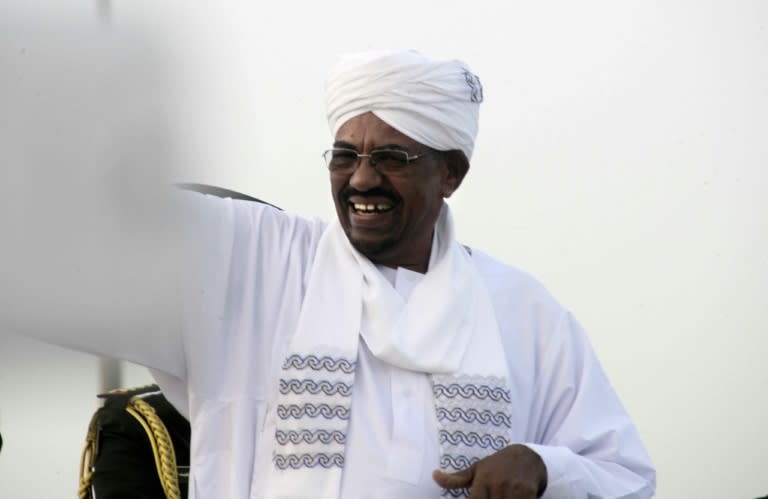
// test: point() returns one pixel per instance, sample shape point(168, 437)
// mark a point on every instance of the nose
point(365, 177)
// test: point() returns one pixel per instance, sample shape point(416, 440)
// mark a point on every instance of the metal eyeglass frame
point(408, 159)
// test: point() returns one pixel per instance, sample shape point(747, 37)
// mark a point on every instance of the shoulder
point(513, 287)
point(529, 317)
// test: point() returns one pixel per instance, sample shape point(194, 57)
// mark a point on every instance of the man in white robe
point(374, 356)
point(273, 284)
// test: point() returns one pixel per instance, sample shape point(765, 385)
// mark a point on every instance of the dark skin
point(515, 472)
point(401, 236)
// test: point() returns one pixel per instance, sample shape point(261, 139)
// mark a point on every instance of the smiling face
point(390, 218)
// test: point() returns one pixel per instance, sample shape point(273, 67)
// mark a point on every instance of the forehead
point(367, 131)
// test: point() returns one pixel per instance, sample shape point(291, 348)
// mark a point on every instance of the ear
point(457, 166)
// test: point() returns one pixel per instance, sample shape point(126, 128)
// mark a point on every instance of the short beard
point(372, 250)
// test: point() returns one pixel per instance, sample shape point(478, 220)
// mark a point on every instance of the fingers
point(513, 473)
point(457, 480)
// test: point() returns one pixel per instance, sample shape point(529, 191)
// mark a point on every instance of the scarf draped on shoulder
point(446, 329)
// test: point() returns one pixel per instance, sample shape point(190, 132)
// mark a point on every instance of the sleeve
point(579, 427)
point(126, 288)
point(244, 272)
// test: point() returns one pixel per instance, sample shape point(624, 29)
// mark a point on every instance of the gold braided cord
point(87, 458)
point(162, 446)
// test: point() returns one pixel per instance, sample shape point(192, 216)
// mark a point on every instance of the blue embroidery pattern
point(313, 412)
point(473, 420)
point(473, 438)
point(455, 493)
point(310, 437)
point(300, 386)
point(479, 392)
point(316, 363)
point(471, 415)
point(296, 461)
point(475, 86)
point(457, 462)
point(294, 411)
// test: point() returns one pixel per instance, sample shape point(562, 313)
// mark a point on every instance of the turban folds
point(435, 102)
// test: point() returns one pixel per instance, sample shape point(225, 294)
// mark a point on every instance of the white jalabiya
point(249, 277)
point(446, 328)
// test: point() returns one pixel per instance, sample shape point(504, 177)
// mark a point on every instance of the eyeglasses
point(342, 160)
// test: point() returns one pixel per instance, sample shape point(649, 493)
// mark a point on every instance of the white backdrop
point(622, 159)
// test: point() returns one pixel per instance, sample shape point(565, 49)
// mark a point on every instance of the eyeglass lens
point(382, 160)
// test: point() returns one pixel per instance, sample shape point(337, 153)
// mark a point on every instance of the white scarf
point(447, 329)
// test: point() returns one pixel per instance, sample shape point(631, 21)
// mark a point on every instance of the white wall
point(622, 159)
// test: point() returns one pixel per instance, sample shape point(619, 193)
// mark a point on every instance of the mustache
point(348, 192)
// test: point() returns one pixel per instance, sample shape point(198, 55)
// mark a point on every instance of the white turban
point(435, 102)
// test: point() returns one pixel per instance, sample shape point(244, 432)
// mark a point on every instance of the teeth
point(371, 208)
